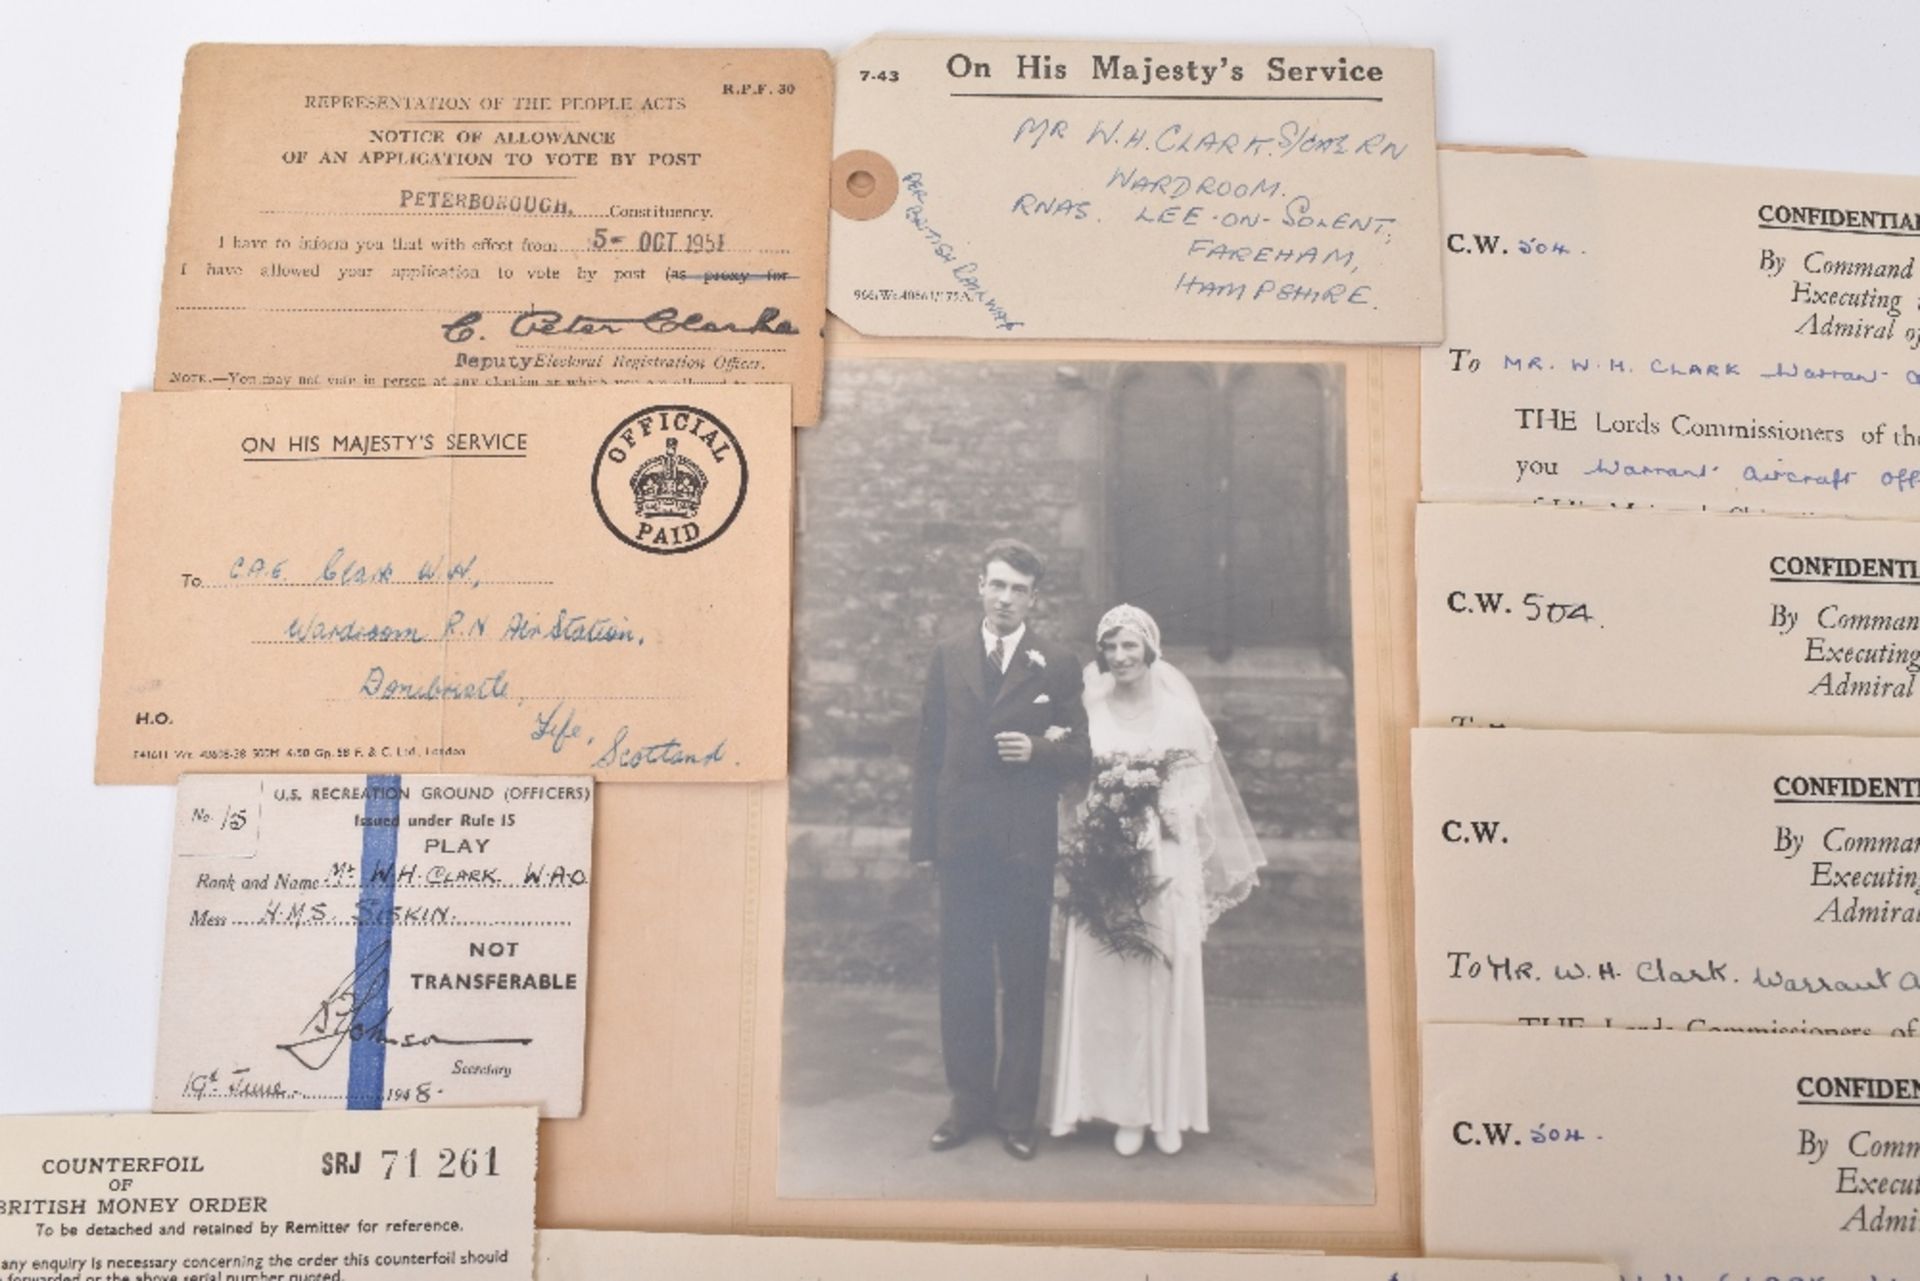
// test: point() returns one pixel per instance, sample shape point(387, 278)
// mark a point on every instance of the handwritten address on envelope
point(1063, 189)
point(590, 580)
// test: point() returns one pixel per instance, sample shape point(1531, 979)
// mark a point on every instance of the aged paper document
point(1666, 1154)
point(1068, 189)
point(268, 1198)
point(1593, 619)
point(610, 1256)
point(386, 940)
point(496, 580)
point(1675, 335)
point(355, 216)
point(765, 1052)
point(1698, 881)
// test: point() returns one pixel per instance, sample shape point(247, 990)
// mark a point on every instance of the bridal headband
point(1132, 617)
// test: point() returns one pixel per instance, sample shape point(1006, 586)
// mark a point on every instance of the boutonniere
point(1035, 657)
point(1057, 733)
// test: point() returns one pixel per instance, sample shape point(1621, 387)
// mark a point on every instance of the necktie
point(1000, 654)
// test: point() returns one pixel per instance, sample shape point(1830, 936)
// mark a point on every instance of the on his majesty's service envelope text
point(590, 580)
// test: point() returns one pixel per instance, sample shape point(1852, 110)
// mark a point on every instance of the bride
point(1160, 848)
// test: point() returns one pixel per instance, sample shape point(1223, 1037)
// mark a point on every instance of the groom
point(1002, 735)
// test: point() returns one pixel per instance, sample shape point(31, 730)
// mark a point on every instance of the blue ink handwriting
point(967, 274)
point(1621, 467)
point(1838, 478)
point(379, 685)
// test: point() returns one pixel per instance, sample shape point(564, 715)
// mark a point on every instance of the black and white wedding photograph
point(1074, 905)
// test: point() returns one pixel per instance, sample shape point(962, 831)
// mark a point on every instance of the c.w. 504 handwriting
point(1626, 620)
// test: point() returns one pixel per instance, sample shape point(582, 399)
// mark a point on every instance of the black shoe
point(1020, 1146)
point(950, 1134)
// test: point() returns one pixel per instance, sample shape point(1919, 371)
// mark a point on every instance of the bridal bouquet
point(1107, 859)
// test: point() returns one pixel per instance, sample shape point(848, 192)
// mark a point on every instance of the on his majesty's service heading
point(1146, 69)
point(1076, 190)
point(366, 607)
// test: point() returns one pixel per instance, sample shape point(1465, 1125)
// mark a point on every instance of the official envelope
point(1596, 619)
point(1704, 1154)
point(346, 1195)
point(1697, 881)
point(1675, 335)
point(1187, 192)
point(601, 1256)
point(387, 940)
point(368, 216)
point(590, 580)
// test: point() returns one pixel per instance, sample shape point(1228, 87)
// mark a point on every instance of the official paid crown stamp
point(669, 479)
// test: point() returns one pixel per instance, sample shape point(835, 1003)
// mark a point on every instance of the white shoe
point(1129, 1139)
point(1168, 1141)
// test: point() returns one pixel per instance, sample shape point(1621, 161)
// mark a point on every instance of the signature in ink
point(334, 1020)
point(413, 1041)
point(547, 323)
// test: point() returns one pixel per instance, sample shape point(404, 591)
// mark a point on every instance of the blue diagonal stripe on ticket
point(373, 943)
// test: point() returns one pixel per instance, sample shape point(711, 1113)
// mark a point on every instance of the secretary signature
point(546, 323)
point(336, 1021)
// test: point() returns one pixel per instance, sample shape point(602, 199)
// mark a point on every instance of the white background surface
point(92, 93)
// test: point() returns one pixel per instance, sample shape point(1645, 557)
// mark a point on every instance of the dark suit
point(992, 829)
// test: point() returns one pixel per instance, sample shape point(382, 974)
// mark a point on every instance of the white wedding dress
point(1132, 1038)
